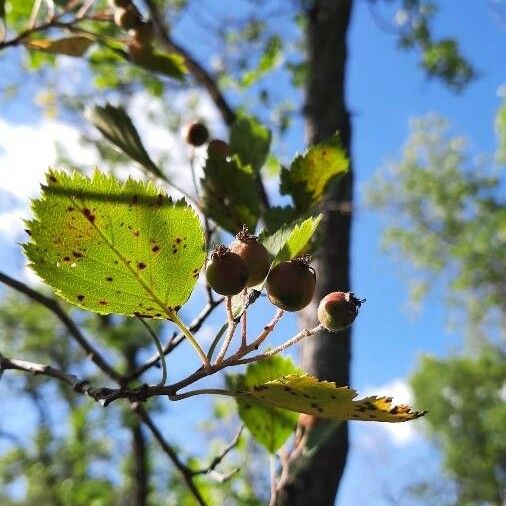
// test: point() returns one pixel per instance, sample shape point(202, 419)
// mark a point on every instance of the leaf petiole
point(158, 344)
point(184, 329)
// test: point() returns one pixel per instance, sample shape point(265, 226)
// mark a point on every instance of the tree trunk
point(326, 355)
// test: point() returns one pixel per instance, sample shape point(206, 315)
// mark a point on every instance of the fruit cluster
point(290, 285)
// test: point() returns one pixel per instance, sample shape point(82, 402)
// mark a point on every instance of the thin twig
point(158, 344)
point(278, 349)
point(73, 329)
point(274, 491)
point(244, 320)
point(185, 471)
point(232, 325)
point(218, 459)
point(176, 341)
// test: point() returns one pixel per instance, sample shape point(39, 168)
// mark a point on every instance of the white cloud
point(26, 152)
point(400, 433)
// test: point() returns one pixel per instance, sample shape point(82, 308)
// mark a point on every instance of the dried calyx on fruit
point(196, 134)
point(338, 310)
point(227, 273)
point(254, 254)
point(291, 285)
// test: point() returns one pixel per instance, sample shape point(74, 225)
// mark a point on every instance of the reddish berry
point(196, 134)
point(128, 18)
point(226, 274)
point(291, 285)
point(254, 254)
point(218, 147)
point(338, 310)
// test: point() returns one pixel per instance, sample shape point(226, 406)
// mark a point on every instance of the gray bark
point(327, 356)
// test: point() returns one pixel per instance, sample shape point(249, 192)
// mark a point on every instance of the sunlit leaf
point(115, 247)
point(270, 426)
point(289, 241)
point(310, 173)
point(76, 45)
point(230, 193)
point(306, 394)
point(115, 125)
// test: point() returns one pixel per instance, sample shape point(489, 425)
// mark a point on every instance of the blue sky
point(385, 89)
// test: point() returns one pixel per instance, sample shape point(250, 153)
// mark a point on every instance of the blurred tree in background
point(448, 227)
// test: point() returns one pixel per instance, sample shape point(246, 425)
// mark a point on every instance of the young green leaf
point(306, 394)
point(289, 241)
point(310, 173)
point(76, 45)
point(250, 140)
point(230, 193)
point(115, 247)
point(270, 426)
point(117, 127)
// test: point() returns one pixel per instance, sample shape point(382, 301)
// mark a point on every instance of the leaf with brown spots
point(306, 394)
point(92, 240)
point(270, 426)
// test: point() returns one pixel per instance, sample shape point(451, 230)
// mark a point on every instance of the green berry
point(226, 274)
point(254, 254)
point(338, 310)
point(291, 285)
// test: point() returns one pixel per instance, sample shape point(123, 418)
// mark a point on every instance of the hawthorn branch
point(176, 341)
point(185, 472)
point(73, 329)
point(219, 458)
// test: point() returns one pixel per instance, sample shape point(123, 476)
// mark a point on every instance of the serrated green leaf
point(276, 217)
point(115, 247)
point(168, 64)
point(116, 126)
point(76, 45)
point(271, 427)
point(250, 140)
point(230, 193)
point(289, 241)
point(306, 394)
point(310, 173)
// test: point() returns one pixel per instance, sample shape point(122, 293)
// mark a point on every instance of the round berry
point(217, 147)
point(226, 274)
point(128, 18)
point(196, 134)
point(254, 254)
point(291, 285)
point(338, 310)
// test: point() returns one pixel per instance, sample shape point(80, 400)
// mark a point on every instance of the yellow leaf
point(306, 394)
point(71, 46)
